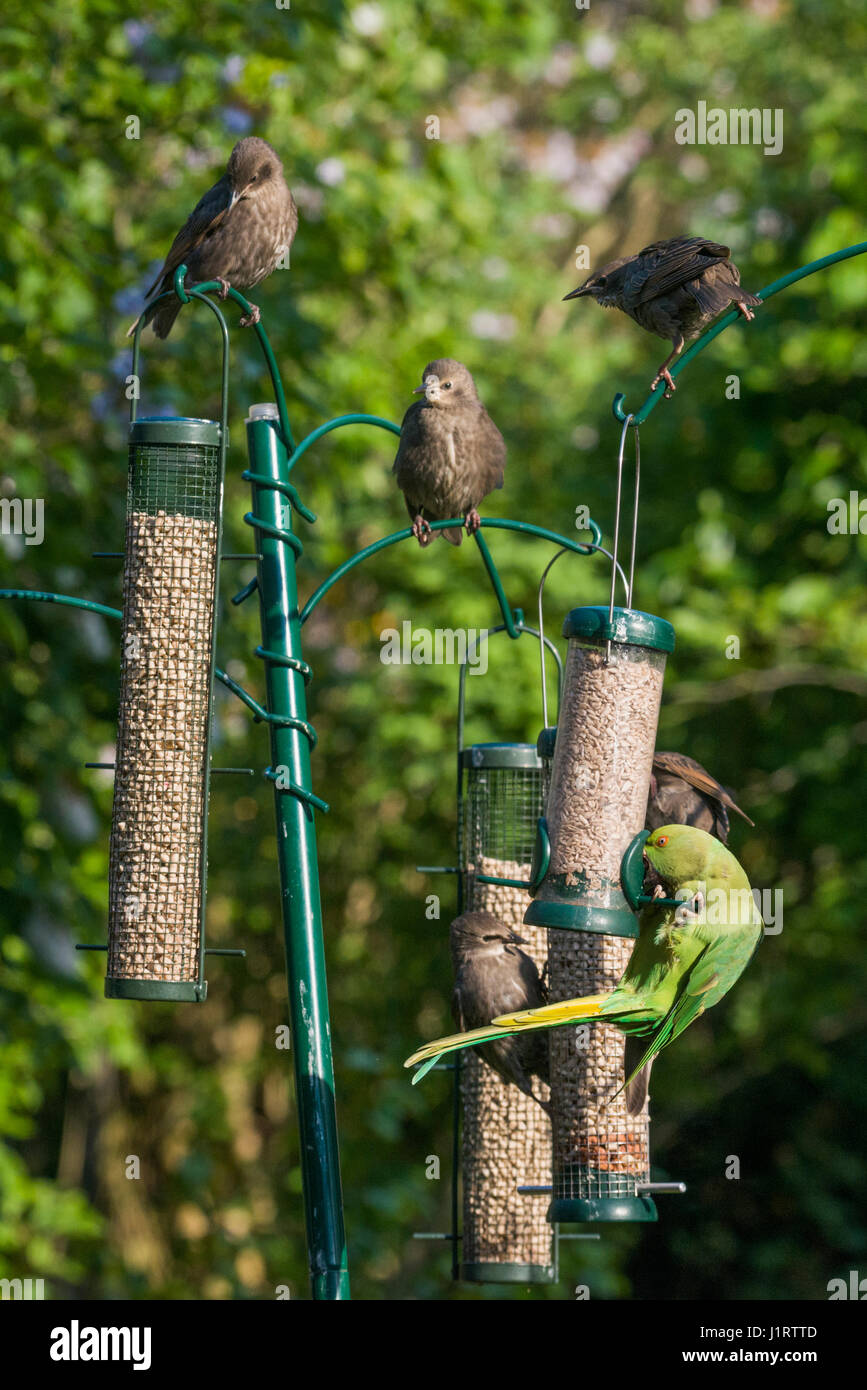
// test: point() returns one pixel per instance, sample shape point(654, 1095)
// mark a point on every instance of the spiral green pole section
point(291, 737)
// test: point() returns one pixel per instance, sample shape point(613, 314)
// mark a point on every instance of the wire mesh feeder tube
point(596, 803)
point(505, 1135)
point(157, 857)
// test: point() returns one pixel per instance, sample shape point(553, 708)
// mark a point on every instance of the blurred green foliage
point(556, 129)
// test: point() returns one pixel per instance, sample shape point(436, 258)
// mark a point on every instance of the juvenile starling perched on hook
point(236, 233)
point(490, 968)
point(682, 792)
point(673, 289)
point(451, 454)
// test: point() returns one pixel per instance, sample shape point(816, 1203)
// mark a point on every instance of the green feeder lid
point(174, 429)
point(500, 755)
point(629, 627)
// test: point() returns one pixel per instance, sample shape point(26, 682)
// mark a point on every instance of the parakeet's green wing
point(714, 971)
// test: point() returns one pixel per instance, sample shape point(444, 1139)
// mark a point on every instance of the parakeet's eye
point(662, 841)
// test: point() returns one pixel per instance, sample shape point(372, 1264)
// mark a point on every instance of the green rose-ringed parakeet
point(685, 959)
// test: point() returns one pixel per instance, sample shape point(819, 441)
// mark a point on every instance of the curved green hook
point(495, 523)
point(201, 291)
point(337, 423)
point(701, 343)
point(72, 601)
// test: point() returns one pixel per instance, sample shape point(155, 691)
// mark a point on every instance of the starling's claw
point(746, 311)
point(472, 521)
point(422, 531)
point(224, 287)
point(664, 375)
point(253, 317)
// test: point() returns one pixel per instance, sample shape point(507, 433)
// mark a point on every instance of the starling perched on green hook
point(673, 289)
point(236, 233)
point(451, 454)
point(494, 976)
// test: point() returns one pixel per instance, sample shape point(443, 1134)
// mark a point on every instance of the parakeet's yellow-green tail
point(551, 1016)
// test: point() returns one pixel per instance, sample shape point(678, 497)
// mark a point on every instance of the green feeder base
point(489, 1272)
point(602, 1209)
point(603, 910)
point(175, 991)
point(574, 906)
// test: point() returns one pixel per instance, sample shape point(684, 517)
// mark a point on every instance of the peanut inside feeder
point(158, 838)
point(597, 801)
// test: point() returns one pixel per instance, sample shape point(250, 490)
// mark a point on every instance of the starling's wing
point(676, 262)
point(206, 216)
point(691, 772)
point(673, 801)
point(411, 437)
point(535, 994)
point(492, 453)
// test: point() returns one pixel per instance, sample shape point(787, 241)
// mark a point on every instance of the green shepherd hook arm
point(495, 523)
point(701, 343)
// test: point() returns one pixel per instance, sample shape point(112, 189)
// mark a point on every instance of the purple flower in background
point(236, 120)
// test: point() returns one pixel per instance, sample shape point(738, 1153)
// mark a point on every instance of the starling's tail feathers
point(453, 534)
point(637, 1075)
point(162, 317)
point(719, 293)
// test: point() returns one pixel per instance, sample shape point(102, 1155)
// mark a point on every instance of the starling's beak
point(236, 194)
point(417, 389)
point(576, 294)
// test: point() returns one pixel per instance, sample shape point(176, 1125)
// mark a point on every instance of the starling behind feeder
point(157, 858)
point(596, 804)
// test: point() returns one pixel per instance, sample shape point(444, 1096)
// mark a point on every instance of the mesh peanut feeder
point(159, 821)
point(505, 1135)
point(596, 804)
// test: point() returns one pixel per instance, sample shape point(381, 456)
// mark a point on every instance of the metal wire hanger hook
point(630, 420)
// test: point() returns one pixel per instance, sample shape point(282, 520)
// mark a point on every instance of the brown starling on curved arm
point(490, 967)
point(682, 792)
point(673, 289)
point(451, 454)
point(236, 233)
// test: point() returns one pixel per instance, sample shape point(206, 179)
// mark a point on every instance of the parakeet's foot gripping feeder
point(600, 776)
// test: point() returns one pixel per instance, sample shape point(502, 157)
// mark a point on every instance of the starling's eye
point(447, 386)
point(254, 178)
point(602, 281)
point(662, 841)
